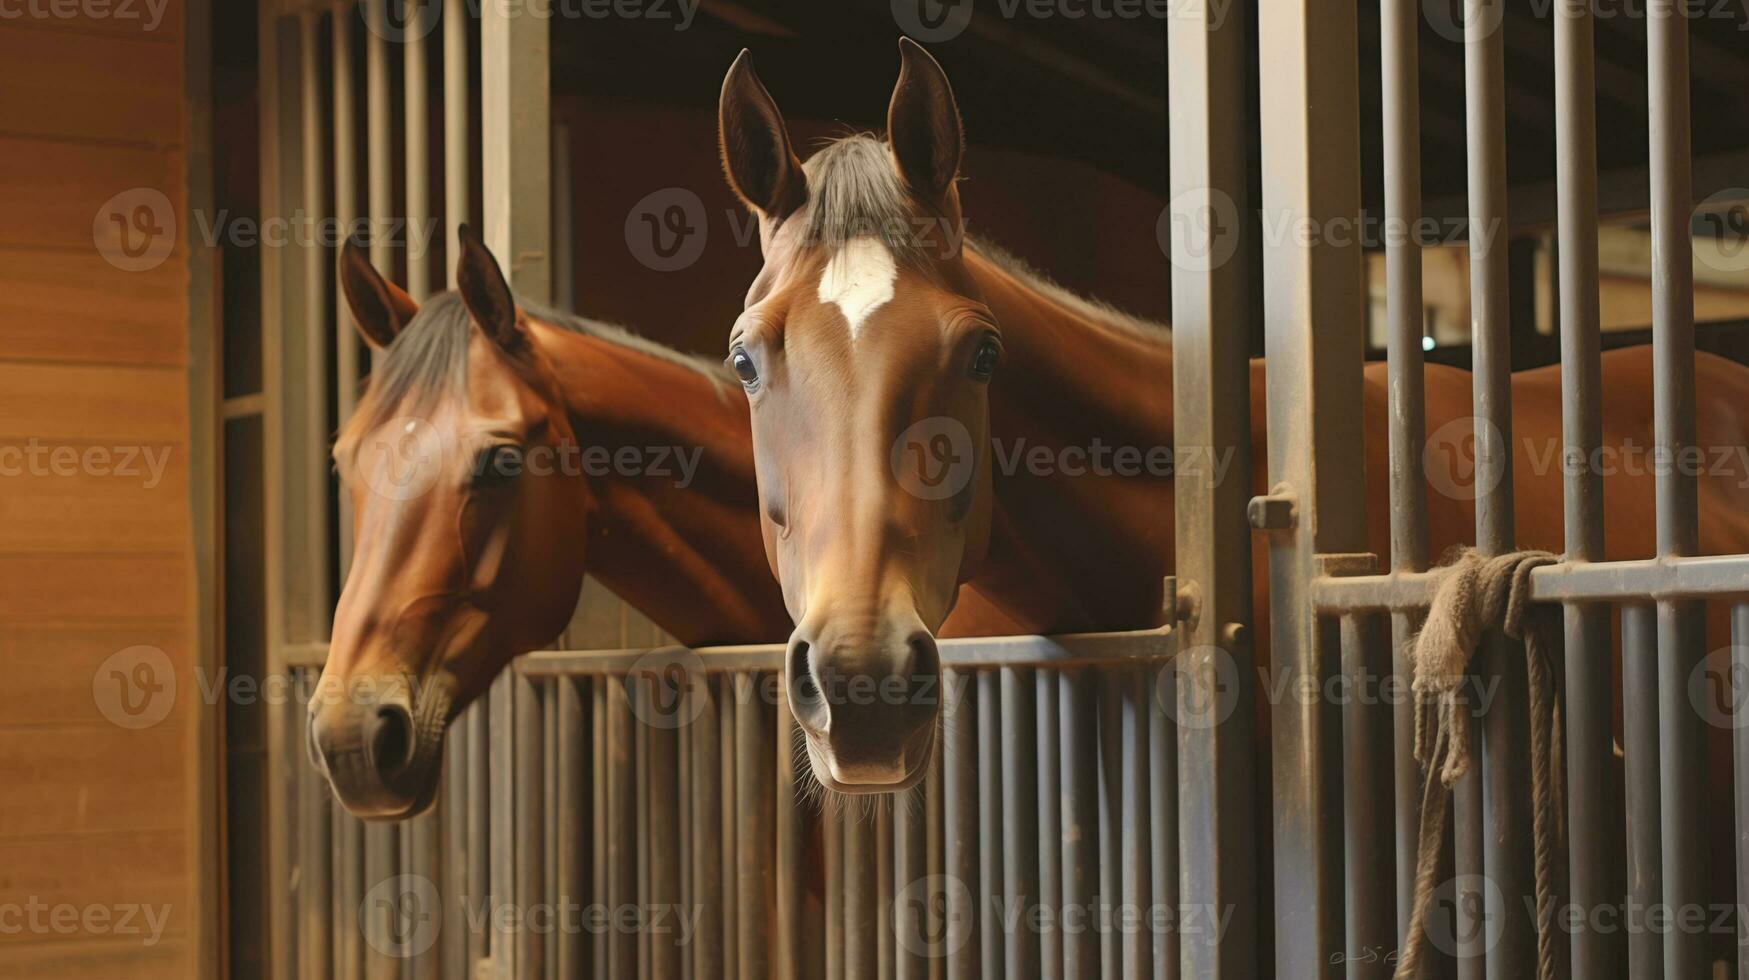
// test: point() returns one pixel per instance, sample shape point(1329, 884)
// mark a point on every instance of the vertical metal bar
point(1078, 764)
point(378, 127)
point(663, 828)
point(1401, 84)
point(316, 259)
point(1505, 774)
point(622, 825)
point(1211, 386)
point(479, 819)
point(422, 848)
point(572, 888)
point(860, 952)
point(1641, 766)
point(755, 787)
point(638, 690)
point(1110, 820)
point(549, 698)
point(348, 893)
point(453, 887)
point(457, 180)
point(382, 848)
point(345, 215)
point(1366, 773)
point(911, 867)
point(1739, 670)
point(935, 853)
point(501, 771)
point(707, 826)
point(960, 823)
point(1314, 308)
point(1020, 805)
point(415, 89)
point(990, 826)
point(1163, 801)
point(729, 710)
point(1594, 856)
point(1137, 870)
point(515, 141)
point(832, 873)
point(790, 856)
point(1049, 839)
point(530, 813)
point(884, 887)
point(1681, 629)
point(314, 846)
point(564, 234)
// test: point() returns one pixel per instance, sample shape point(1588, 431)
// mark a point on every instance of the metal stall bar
point(1049, 862)
point(571, 884)
point(620, 851)
point(456, 157)
point(1594, 857)
point(991, 940)
point(1020, 805)
point(1503, 778)
point(1078, 765)
point(791, 823)
point(345, 216)
point(861, 951)
point(755, 799)
point(379, 154)
point(1681, 638)
point(1110, 821)
point(416, 129)
point(1163, 801)
point(960, 822)
point(707, 825)
point(1313, 311)
point(662, 829)
point(1211, 394)
point(910, 865)
point(315, 842)
point(1739, 668)
point(1400, 83)
point(1641, 765)
point(1136, 857)
point(1369, 878)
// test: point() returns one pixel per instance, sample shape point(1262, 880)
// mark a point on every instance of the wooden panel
point(95, 779)
point(112, 88)
point(74, 306)
point(51, 191)
point(97, 960)
point(113, 871)
point(111, 405)
point(157, 21)
point(49, 669)
point(92, 497)
point(84, 588)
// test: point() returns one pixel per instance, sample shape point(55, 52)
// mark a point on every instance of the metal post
point(571, 886)
point(755, 798)
point(1163, 801)
point(1078, 765)
point(1313, 311)
point(622, 824)
point(1020, 805)
point(345, 215)
point(1641, 766)
point(315, 898)
point(378, 128)
point(1739, 668)
point(790, 855)
point(960, 824)
point(1050, 824)
point(860, 943)
point(1366, 772)
point(415, 91)
point(990, 826)
point(1681, 629)
point(456, 148)
point(1137, 858)
point(1595, 858)
point(516, 151)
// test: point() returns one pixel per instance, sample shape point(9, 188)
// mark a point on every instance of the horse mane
point(427, 361)
point(854, 191)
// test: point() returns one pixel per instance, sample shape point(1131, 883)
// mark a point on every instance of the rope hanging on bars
point(1477, 593)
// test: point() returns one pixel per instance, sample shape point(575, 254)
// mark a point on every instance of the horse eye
point(743, 365)
point(497, 465)
point(984, 361)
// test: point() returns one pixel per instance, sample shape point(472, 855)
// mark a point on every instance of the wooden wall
point(94, 816)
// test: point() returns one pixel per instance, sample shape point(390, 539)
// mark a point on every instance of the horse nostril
point(314, 748)
point(391, 739)
point(805, 700)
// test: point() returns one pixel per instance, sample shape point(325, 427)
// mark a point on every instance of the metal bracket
point(1343, 564)
point(1275, 511)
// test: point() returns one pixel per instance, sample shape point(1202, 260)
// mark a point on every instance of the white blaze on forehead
point(859, 278)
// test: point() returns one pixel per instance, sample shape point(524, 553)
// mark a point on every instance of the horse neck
point(1085, 551)
point(682, 545)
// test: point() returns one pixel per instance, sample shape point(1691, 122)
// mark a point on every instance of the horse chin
point(916, 767)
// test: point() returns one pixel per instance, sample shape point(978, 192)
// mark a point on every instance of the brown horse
point(898, 461)
point(500, 451)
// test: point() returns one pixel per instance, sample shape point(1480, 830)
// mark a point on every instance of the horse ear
point(923, 124)
point(761, 165)
point(486, 294)
point(379, 307)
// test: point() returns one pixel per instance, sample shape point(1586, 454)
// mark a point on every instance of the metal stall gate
point(1335, 808)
